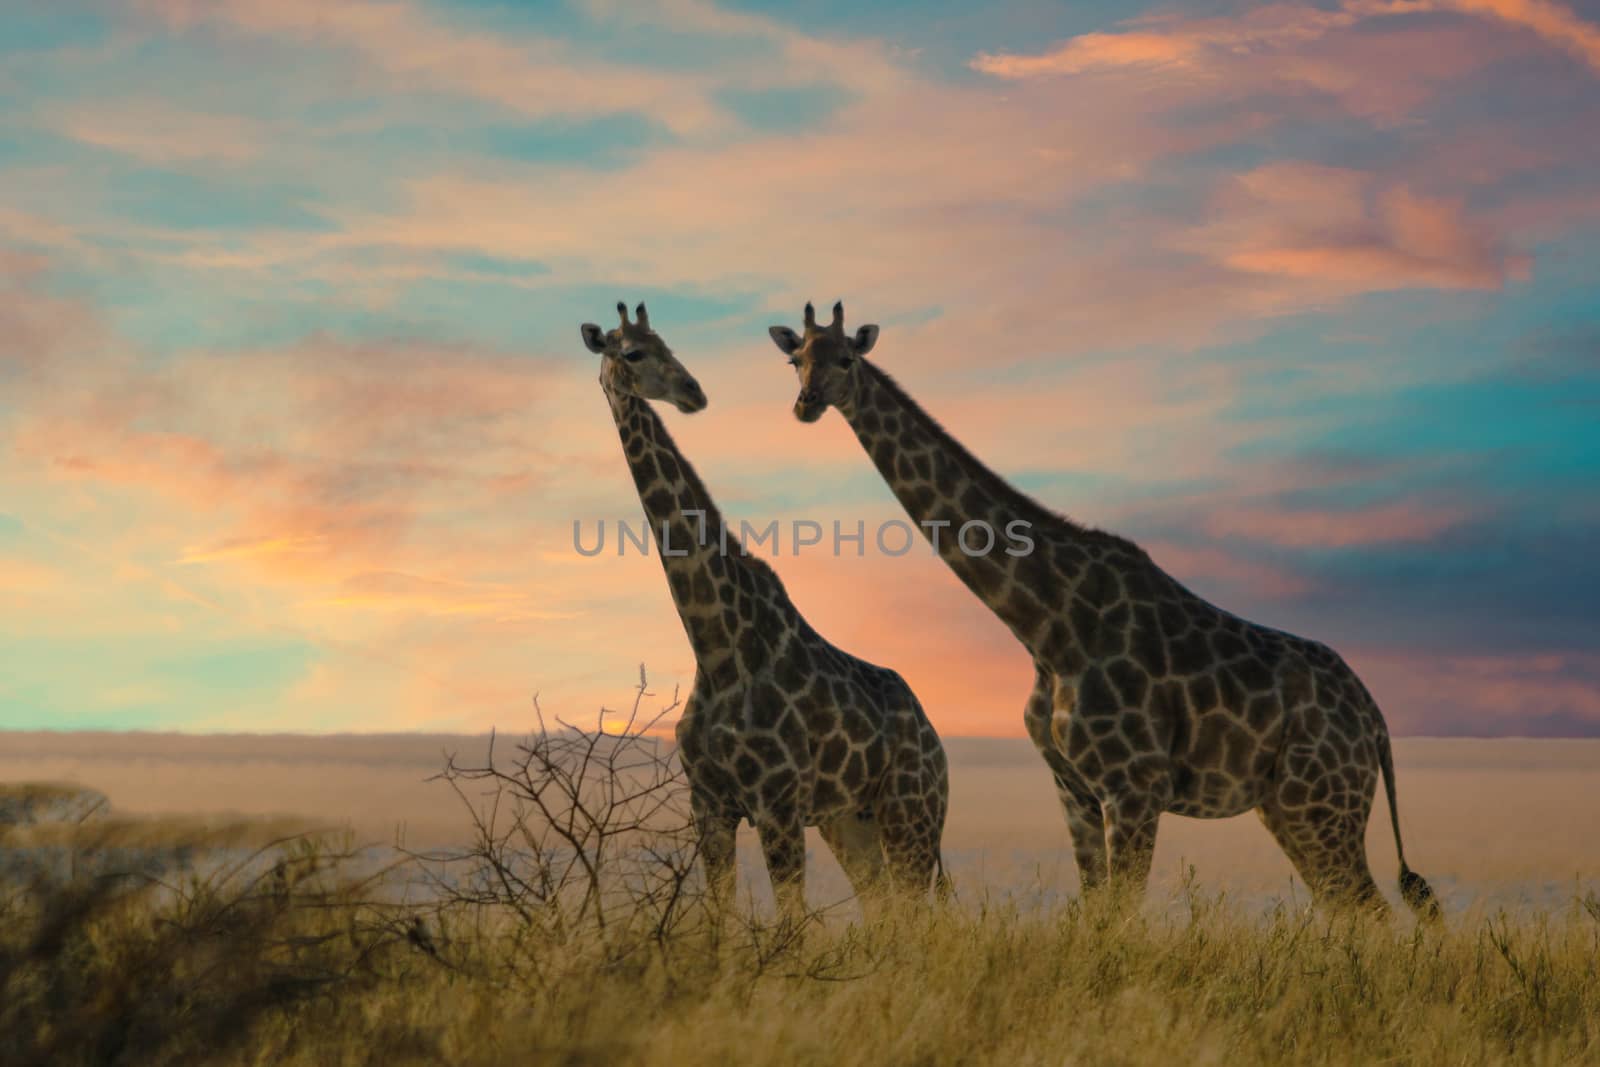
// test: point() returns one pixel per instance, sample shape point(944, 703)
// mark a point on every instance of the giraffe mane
point(714, 520)
point(1026, 506)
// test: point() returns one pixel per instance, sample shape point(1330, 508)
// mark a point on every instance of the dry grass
point(571, 931)
point(232, 971)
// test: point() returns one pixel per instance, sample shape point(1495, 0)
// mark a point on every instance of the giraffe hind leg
point(855, 842)
point(910, 836)
point(1330, 855)
point(1322, 828)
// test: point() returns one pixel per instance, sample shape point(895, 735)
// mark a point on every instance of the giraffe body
point(1147, 698)
point(781, 728)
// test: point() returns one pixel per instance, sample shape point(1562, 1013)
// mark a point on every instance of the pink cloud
point(1555, 23)
point(530, 74)
point(38, 326)
point(1247, 41)
point(1486, 694)
point(1347, 231)
point(1308, 528)
point(1292, 52)
point(1221, 572)
point(154, 131)
point(785, 56)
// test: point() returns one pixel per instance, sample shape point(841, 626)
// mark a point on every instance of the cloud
point(39, 327)
point(1555, 23)
point(788, 56)
point(1346, 528)
point(1188, 45)
point(247, 548)
point(1094, 51)
point(394, 592)
point(1054, 261)
point(1484, 695)
point(153, 131)
point(19, 577)
point(1171, 41)
point(529, 74)
point(1349, 232)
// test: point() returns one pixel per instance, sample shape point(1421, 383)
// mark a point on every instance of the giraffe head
point(827, 360)
point(635, 361)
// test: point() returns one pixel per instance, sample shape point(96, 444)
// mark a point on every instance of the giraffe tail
point(1414, 889)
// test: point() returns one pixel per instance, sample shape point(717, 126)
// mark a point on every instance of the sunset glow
point(295, 417)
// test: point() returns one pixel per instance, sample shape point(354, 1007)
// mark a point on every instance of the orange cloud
point(390, 591)
point(247, 548)
point(1095, 51)
point(21, 576)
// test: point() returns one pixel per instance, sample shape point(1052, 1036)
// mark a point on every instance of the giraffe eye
point(633, 355)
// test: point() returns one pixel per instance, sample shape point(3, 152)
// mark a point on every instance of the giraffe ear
point(594, 337)
point(785, 339)
point(866, 337)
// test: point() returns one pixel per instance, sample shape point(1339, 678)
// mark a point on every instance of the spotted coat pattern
point(781, 728)
point(1146, 697)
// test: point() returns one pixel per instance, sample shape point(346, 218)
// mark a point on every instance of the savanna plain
point(332, 900)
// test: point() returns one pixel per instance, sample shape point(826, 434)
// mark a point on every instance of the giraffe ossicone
point(781, 728)
point(1147, 698)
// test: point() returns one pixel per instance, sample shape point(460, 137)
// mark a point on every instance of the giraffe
point(780, 728)
point(1146, 697)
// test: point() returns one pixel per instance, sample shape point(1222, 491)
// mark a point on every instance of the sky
point(296, 420)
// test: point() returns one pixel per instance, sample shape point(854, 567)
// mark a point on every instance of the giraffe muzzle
point(808, 407)
point(692, 400)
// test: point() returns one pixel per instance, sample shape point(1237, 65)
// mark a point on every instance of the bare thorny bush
point(580, 831)
point(580, 860)
point(583, 841)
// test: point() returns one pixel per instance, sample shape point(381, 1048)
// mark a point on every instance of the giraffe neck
point(942, 486)
point(720, 594)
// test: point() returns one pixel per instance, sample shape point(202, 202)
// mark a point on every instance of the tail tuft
point(1414, 890)
point(1418, 895)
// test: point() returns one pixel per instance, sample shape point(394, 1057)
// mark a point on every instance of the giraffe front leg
point(1132, 816)
point(1085, 820)
point(1087, 824)
point(717, 839)
point(783, 844)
